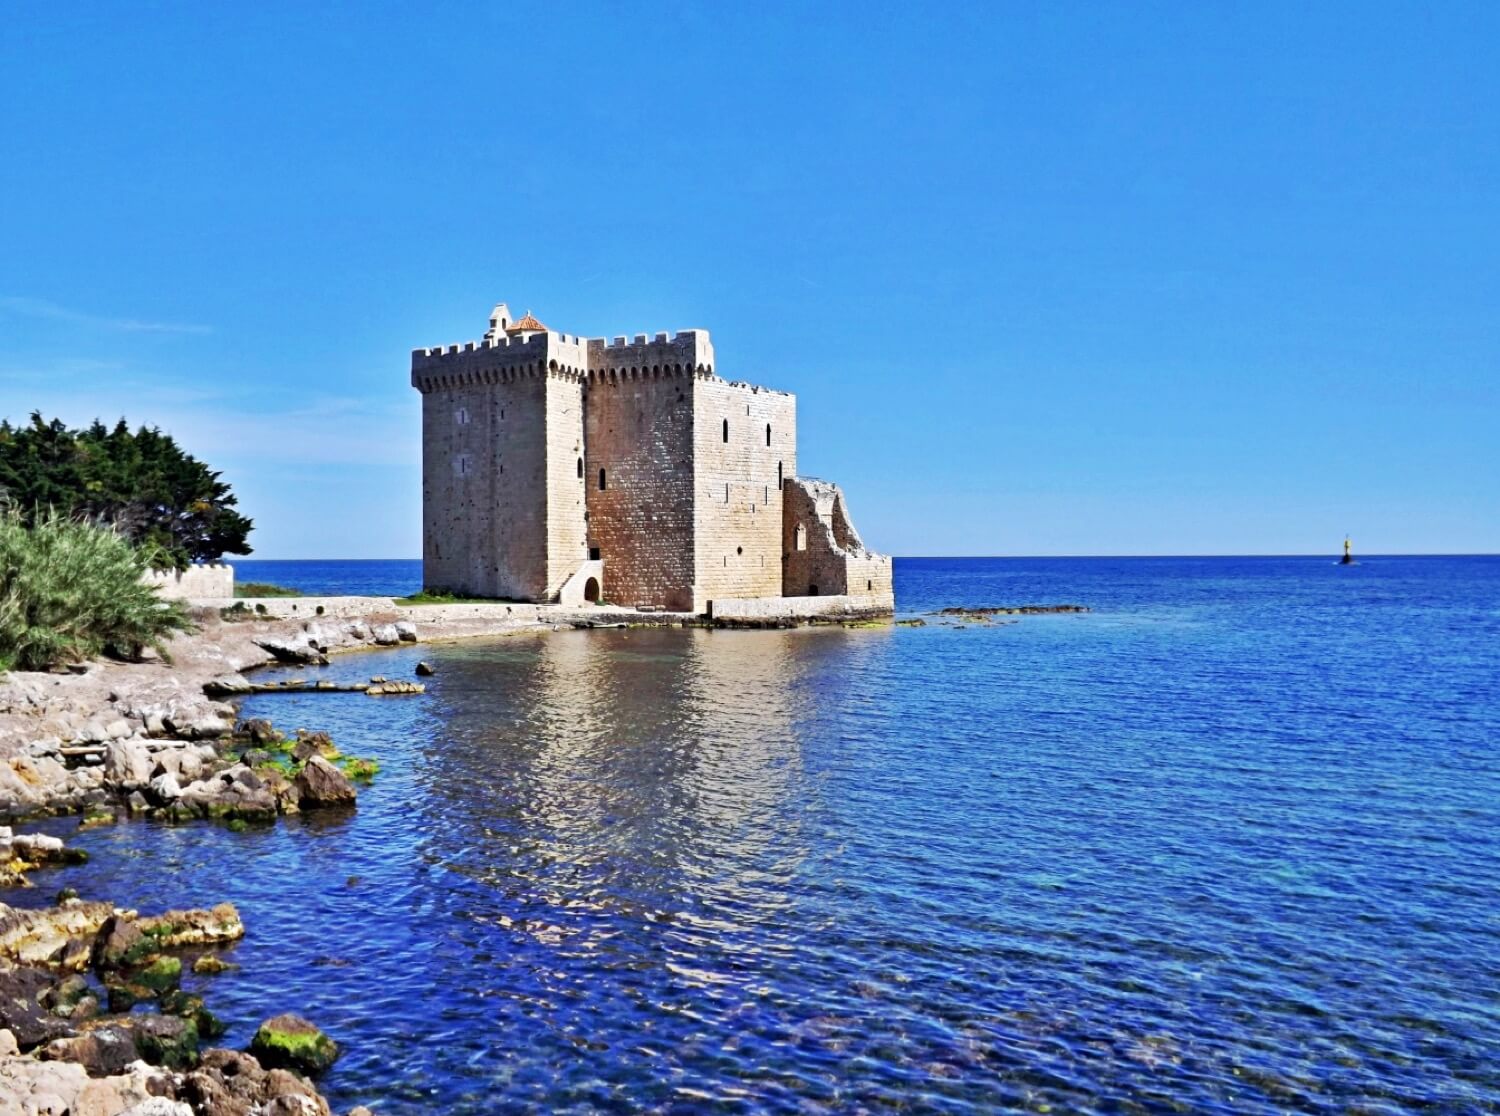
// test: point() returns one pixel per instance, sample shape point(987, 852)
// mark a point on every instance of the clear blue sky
point(1046, 278)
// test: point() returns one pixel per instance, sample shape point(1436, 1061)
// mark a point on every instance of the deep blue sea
point(1228, 843)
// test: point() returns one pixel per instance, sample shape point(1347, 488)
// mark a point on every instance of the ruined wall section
point(744, 447)
point(484, 457)
point(824, 553)
point(209, 581)
point(638, 432)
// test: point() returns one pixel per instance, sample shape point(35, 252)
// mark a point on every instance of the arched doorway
point(591, 590)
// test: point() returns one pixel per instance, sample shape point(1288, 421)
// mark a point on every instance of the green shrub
point(71, 590)
point(263, 589)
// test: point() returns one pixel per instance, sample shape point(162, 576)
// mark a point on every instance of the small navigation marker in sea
point(1348, 558)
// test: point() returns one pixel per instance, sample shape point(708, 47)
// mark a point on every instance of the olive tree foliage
point(138, 481)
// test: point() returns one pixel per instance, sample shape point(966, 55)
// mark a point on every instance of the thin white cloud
point(54, 368)
point(229, 429)
point(41, 308)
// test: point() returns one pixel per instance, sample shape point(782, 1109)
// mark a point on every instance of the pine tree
point(139, 482)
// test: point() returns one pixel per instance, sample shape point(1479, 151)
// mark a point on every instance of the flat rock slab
point(302, 686)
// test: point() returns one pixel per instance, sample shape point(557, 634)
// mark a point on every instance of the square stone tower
point(502, 444)
point(556, 467)
point(685, 473)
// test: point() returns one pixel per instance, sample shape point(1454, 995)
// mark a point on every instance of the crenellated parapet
point(688, 352)
point(503, 359)
point(497, 360)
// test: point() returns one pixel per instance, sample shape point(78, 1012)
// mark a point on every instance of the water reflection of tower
point(667, 756)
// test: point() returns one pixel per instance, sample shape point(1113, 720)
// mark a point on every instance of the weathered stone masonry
point(622, 470)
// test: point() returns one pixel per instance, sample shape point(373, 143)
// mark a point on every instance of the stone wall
point(778, 612)
point(313, 608)
point(824, 553)
point(484, 490)
point(744, 446)
point(214, 581)
point(638, 435)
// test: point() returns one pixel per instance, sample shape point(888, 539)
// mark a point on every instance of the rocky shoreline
point(71, 1041)
point(93, 1017)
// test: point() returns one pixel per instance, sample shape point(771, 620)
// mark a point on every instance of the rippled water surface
point(1228, 843)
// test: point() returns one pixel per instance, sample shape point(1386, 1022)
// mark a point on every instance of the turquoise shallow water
point(1228, 843)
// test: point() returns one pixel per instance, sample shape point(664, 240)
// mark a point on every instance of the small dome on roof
point(526, 324)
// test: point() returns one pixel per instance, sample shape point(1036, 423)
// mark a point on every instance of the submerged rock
point(425, 669)
point(321, 784)
point(390, 686)
point(211, 963)
point(1012, 610)
point(291, 1042)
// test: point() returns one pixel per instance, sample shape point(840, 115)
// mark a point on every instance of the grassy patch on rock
point(442, 597)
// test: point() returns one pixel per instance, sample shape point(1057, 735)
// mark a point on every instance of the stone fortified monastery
point(573, 469)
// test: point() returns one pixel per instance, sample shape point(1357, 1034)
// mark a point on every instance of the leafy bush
point(264, 589)
point(71, 590)
point(139, 480)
